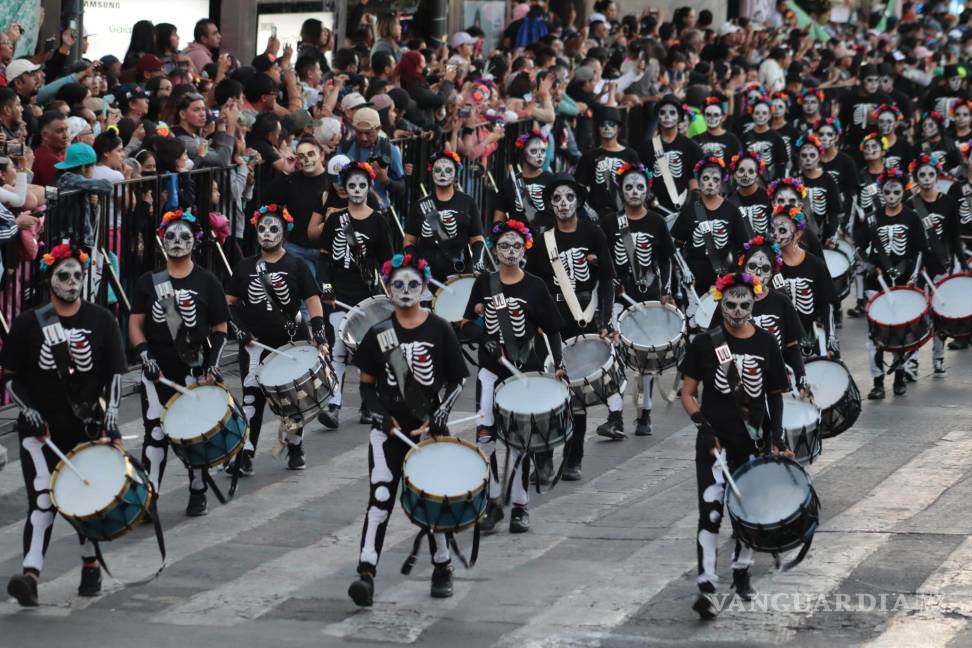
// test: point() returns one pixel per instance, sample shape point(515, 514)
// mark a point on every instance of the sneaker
point(362, 591)
point(442, 581)
point(493, 515)
point(741, 584)
point(364, 416)
point(643, 424)
point(519, 520)
point(572, 472)
point(90, 581)
point(877, 391)
point(705, 606)
point(197, 504)
point(613, 427)
point(23, 587)
point(329, 417)
point(940, 371)
point(958, 345)
point(246, 464)
point(900, 386)
point(859, 310)
point(295, 457)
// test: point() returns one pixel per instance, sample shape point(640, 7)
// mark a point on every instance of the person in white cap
point(462, 45)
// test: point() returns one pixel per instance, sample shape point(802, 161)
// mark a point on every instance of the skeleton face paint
point(929, 129)
point(963, 117)
point(443, 172)
point(778, 108)
point(534, 152)
point(634, 189)
point(608, 130)
point(893, 193)
point(871, 84)
point(760, 265)
point(668, 116)
point(783, 230)
point(510, 249)
point(886, 123)
point(828, 136)
point(927, 176)
point(761, 114)
point(357, 186)
point(746, 172)
point(887, 84)
point(66, 280)
point(810, 105)
point(713, 117)
point(178, 240)
point(872, 150)
point(270, 233)
point(809, 158)
point(308, 156)
point(563, 201)
point(786, 196)
point(737, 306)
point(710, 181)
point(955, 83)
point(405, 287)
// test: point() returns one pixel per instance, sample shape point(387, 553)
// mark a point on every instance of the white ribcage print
point(674, 164)
point(757, 216)
point(713, 148)
point(719, 229)
point(575, 263)
point(256, 294)
point(418, 355)
point(185, 303)
point(604, 168)
point(861, 113)
point(770, 324)
point(535, 191)
point(787, 141)
point(341, 251)
point(517, 313)
point(763, 149)
point(449, 224)
point(79, 348)
point(965, 214)
point(870, 196)
point(644, 249)
point(835, 174)
point(818, 200)
point(937, 221)
point(894, 239)
point(748, 126)
point(944, 104)
point(800, 291)
point(750, 375)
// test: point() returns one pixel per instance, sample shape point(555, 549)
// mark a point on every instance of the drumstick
point(886, 289)
point(820, 340)
point(632, 302)
point(176, 386)
point(513, 370)
point(272, 350)
point(466, 419)
point(67, 462)
point(344, 306)
point(404, 438)
point(725, 471)
point(931, 284)
point(439, 284)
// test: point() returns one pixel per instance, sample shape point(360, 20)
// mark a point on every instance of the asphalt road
point(610, 560)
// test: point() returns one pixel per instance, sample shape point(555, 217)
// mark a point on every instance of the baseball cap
point(77, 155)
point(382, 101)
point(148, 63)
point(296, 122)
point(353, 100)
point(366, 118)
point(18, 67)
point(403, 101)
point(461, 38)
point(727, 28)
point(921, 52)
point(597, 17)
point(76, 126)
point(583, 73)
point(336, 163)
point(129, 91)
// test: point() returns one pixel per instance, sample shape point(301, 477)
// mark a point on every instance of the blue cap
point(78, 155)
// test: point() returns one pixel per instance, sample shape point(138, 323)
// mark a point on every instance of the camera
point(12, 149)
point(384, 161)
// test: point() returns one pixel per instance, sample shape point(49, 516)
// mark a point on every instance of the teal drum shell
point(205, 426)
point(128, 513)
point(218, 448)
point(445, 485)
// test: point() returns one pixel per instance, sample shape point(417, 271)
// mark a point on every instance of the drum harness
point(666, 173)
point(352, 240)
point(415, 399)
point(582, 317)
point(432, 216)
point(57, 340)
point(517, 354)
point(529, 209)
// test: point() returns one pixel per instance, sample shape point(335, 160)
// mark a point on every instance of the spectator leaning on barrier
point(215, 151)
point(371, 145)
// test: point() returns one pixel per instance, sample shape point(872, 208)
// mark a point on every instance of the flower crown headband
point(833, 122)
point(935, 116)
point(809, 138)
point(168, 218)
point(405, 261)
point(795, 214)
point(359, 166)
point(533, 133)
point(881, 139)
point(933, 160)
point(511, 225)
point(781, 96)
point(793, 183)
point(736, 159)
point(713, 100)
point(755, 101)
point(627, 168)
point(731, 279)
point(445, 154)
point(162, 129)
point(894, 175)
point(759, 241)
point(965, 148)
point(883, 108)
point(808, 92)
point(711, 161)
point(274, 210)
point(64, 251)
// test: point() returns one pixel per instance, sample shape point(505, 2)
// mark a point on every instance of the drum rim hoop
point(881, 293)
point(602, 369)
point(451, 279)
point(372, 299)
point(436, 529)
point(208, 434)
point(407, 483)
point(938, 284)
point(641, 306)
point(302, 378)
point(125, 487)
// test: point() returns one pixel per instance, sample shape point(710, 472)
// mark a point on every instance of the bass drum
point(898, 320)
point(835, 393)
point(951, 306)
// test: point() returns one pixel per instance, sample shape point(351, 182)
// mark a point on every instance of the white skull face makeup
point(871, 150)
point(828, 136)
point(746, 172)
point(713, 117)
point(783, 230)
point(178, 240)
point(871, 84)
point(66, 280)
point(786, 196)
point(760, 265)
point(929, 129)
point(778, 108)
point(737, 306)
point(668, 116)
point(962, 116)
point(634, 189)
point(608, 130)
point(270, 232)
point(886, 123)
point(811, 104)
point(893, 193)
point(761, 114)
point(809, 157)
point(887, 84)
point(405, 287)
point(308, 157)
point(710, 181)
point(563, 201)
point(357, 186)
point(510, 249)
point(443, 172)
point(534, 152)
point(927, 176)
point(955, 83)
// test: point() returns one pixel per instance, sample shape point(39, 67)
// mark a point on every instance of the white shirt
point(771, 75)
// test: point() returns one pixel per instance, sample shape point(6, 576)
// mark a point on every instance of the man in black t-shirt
point(406, 362)
point(178, 328)
point(58, 360)
point(766, 142)
point(716, 141)
point(264, 296)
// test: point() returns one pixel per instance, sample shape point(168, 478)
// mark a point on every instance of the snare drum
point(848, 250)
point(801, 425)
point(116, 500)
point(951, 305)
point(700, 314)
point(445, 484)
point(835, 393)
point(298, 387)
point(779, 509)
point(593, 370)
point(362, 317)
point(533, 413)
point(652, 336)
point(205, 426)
point(450, 302)
point(839, 267)
point(899, 320)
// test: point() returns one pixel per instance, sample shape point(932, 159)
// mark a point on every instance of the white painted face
point(178, 240)
point(563, 201)
point(927, 176)
point(871, 150)
point(535, 152)
point(443, 172)
point(510, 249)
point(634, 189)
point(809, 157)
point(786, 196)
point(710, 181)
point(871, 84)
point(778, 108)
point(929, 129)
point(760, 265)
point(761, 114)
point(270, 232)
point(828, 136)
point(955, 83)
point(963, 116)
point(893, 193)
point(608, 130)
point(886, 122)
point(66, 279)
point(783, 230)
point(887, 84)
point(357, 186)
point(405, 287)
point(811, 105)
point(737, 306)
point(668, 116)
point(713, 117)
point(746, 172)
point(308, 157)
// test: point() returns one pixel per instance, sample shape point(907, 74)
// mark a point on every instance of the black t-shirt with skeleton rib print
point(728, 236)
point(775, 314)
point(594, 171)
point(291, 281)
point(508, 203)
point(824, 200)
point(682, 154)
point(756, 210)
point(575, 250)
point(653, 250)
point(901, 237)
point(771, 149)
point(942, 222)
point(350, 265)
point(460, 221)
point(961, 193)
point(810, 289)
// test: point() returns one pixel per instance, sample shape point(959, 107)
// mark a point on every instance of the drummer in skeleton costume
point(445, 228)
point(779, 111)
point(741, 370)
point(823, 194)
point(873, 148)
point(894, 243)
point(412, 372)
point(961, 192)
point(521, 193)
point(716, 141)
point(766, 142)
point(517, 303)
point(889, 120)
point(948, 93)
point(264, 296)
point(668, 152)
point(643, 258)
point(933, 141)
point(353, 242)
point(791, 192)
point(58, 361)
point(858, 102)
point(752, 199)
point(838, 165)
point(574, 259)
point(811, 110)
point(596, 167)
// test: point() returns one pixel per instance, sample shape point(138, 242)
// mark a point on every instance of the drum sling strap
point(517, 354)
point(526, 202)
point(716, 259)
point(432, 216)
point(57, 340)
point(289, 323)
point(666, 172)
point(644, 277)
point(165, 295)
point(582, 317)
point(934, 241)
point(353, 242)
point(408, 388)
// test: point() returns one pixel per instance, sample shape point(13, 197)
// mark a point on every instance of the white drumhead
point(837, 263)
point(196, 412)
point(828, 381)
point(584, 355)
point(953, 298)
point(770, 492)
point(651, 324)
point(451, 306)
point(445, 469)
point(847, 249)
point(706, 309)
point(798, 413)
point(531, 395)
point(104, 467)
point(278, 370)
point(899, 307)
point(368, 313)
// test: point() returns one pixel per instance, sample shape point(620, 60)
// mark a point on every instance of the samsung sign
point(109, 22)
